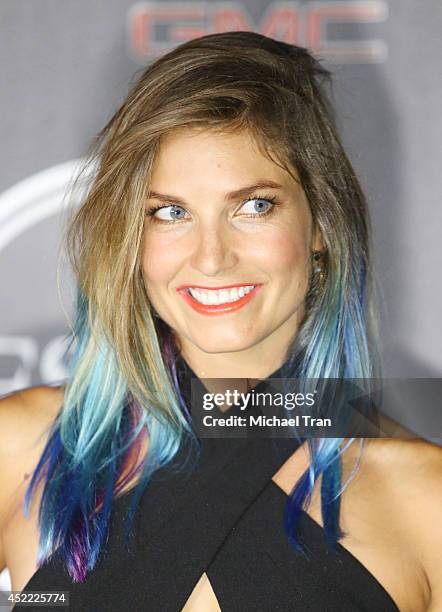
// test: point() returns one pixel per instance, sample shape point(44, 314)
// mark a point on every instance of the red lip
point(215, 309)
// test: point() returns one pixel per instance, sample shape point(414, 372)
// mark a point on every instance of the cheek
point(159, 263)
point(284, 252)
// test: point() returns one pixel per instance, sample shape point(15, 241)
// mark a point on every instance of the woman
point(224, 235)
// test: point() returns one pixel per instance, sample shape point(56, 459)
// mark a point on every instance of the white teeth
point(211, 297)
point(224, 295)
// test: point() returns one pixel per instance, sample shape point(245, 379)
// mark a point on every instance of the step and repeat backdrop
point(66, 66)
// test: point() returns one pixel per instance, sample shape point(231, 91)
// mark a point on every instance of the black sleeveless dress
point(224, 519)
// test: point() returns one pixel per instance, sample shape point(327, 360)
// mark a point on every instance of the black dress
point(225, 519)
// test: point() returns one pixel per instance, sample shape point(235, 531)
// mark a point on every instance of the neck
point(248, 363)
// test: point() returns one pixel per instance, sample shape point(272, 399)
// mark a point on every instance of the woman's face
point(229, 218)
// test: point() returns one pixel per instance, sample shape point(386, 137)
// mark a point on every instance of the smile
point(218, 300)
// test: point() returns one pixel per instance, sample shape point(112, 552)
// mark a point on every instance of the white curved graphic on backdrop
point(38, 197)
point(35, 198)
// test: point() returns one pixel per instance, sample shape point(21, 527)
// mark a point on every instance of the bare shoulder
point(403, 450)
point(419, 459)
point(410, 469)
point(26, 414)
point(412, 473)
point(26, 418)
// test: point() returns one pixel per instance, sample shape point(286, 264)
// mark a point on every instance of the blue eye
point(169, 213)
point(259, 205)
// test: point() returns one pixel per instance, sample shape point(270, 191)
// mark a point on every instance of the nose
point(215, 250)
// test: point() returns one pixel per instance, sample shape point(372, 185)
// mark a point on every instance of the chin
point(223, 344)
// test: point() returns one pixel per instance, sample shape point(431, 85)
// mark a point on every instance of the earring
point(319, 269)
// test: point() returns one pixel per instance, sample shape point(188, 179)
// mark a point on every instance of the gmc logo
point(156, 27)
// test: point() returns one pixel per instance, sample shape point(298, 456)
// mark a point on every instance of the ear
point(317, 240)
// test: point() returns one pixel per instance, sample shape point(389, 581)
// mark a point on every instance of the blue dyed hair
point(123, 415)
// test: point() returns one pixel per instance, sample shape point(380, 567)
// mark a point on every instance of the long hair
point(123, 415)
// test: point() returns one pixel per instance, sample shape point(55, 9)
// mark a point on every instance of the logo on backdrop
point(23, 206)
point(340, 32)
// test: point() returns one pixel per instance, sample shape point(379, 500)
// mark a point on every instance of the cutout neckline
point(342, 549)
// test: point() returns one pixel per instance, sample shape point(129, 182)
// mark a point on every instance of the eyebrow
point(229, 197)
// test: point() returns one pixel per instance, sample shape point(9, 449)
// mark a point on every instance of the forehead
point(201, 155)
